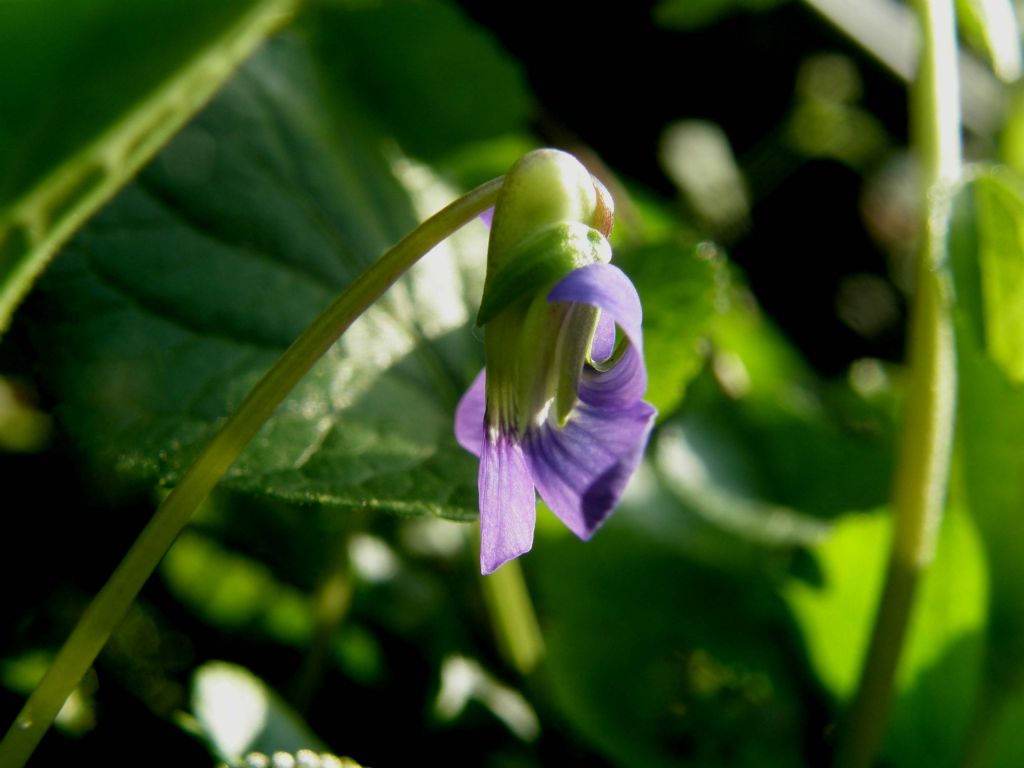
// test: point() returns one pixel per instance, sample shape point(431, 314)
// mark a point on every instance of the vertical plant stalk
point(331, 602)
point(109, 606)
point(923, 470)
point(513, 617)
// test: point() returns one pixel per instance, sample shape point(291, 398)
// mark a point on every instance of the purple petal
point(487, 217)
point(582, 469)
point(469, 416)
point(618, 387)
point(508, 509)
point(604, 339)
point(608, 288)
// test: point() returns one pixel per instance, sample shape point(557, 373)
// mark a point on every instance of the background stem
point(923, 469)
point(331, 602)
point(109, 606)
point(513, 617)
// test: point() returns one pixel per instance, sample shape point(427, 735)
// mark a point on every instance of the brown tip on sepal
point(604, 215)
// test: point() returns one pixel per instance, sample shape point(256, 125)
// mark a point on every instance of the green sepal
point(545, 187)
point(539, 261)
point(574, 343)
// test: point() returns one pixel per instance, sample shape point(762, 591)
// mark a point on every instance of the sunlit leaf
point(991, 26)
point(988, 269)
point(763, 439)
point(167, 308)
point(941, 664)
point(990, 281)
point(464, 680)
point(237, 714)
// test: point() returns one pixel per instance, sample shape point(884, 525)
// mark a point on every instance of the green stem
point(512, 615)
point(923, 469)
point(109, 606)
point(331, 602)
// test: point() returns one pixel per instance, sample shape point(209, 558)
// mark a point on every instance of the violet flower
point(558, 408)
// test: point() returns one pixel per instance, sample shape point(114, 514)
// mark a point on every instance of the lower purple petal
point(581, 469)
point(618, 387)
point(469, 416)
point(508, 507)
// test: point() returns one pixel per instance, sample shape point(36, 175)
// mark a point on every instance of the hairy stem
point(109, 606)
point(923, 469)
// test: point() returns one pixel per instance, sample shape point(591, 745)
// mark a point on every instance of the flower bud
point(545, 187)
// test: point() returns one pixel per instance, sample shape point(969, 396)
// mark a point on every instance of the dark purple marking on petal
point(508, 505)
point(607, 288)
point(604, 339)
point(469, 416)
point(582, 468)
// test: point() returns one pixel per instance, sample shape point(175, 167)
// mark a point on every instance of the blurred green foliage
point(720, 616)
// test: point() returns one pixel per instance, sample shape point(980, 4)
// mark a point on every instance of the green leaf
point(764, 446)
point(819, 457)
point(698, 655)
point(1000, 740)
point(986, 248)
point(991, 27)
point(91, 90)
point(435, 78)
point(940, 669)
point(716, 485)
point(992, 280)
point(166, 310)
point(681, 289)
point(538, 262)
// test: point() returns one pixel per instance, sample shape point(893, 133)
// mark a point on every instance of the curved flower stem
point(109, 606)
point(923, 469)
